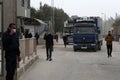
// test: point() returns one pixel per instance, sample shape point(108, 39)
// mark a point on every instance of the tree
point(33, 12)
point(60, 17)
point(45, 14)
point(117, 22)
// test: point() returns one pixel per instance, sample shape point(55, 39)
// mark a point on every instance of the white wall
point(22, 11)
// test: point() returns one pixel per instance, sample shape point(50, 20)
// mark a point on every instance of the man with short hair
point(109, 39)
point(10, 42)
point(48, 37)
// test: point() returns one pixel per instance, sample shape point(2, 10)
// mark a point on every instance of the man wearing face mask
point(109, 39)
point(10, 42)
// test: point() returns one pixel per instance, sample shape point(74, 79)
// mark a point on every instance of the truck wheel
point(75, 49)
point(99, 47)
point(67, 43)
point(95, 49)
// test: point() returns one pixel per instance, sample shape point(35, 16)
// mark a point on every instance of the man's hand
point(11, 32)
point(18, 58)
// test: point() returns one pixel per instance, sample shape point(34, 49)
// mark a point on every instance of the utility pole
point(52, 17)
point(104, 24)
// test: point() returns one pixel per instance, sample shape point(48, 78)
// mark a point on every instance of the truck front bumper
point(84, 46)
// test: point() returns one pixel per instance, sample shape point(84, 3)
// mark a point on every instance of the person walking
point(109, 39)
point(65, 40)
point(10, 42)
point(56, 37)
point(48, 37)
point(37, 37)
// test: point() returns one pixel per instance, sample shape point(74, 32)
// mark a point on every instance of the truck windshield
point(84, 30)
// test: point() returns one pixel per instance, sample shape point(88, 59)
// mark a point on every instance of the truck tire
point(67, 43)
point(74, 49)
point(99, 47)
point(95, 49)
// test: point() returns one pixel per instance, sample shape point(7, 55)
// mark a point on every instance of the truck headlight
point(75, 44)
point(93, 44)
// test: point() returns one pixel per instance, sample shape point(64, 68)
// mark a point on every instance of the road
point(70, 65)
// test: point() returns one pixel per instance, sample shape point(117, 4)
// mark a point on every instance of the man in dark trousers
point(65, 40)
point(48, 37)
point(109, 39)
point(37, 37)
point(10, 42)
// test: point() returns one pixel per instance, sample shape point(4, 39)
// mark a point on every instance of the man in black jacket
point(49, 45)
point(37, 37)
point(10, 42)
point(65, 40)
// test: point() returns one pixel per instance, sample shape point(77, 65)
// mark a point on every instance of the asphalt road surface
point(70, 65)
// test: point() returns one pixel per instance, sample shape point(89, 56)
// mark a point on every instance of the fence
point(28, 48)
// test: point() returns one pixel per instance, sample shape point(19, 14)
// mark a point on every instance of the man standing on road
point(37, 37)
point(65, 40)
point(109, 38)
point(48, 37)
point(10, 42)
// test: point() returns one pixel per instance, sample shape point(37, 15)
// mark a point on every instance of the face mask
point(14, 30)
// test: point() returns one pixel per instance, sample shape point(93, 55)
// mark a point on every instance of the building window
point(28, 4)
point(22, 3)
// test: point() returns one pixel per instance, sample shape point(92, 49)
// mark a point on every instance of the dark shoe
point(110, 55)
point(50, 59)
point(47, 58)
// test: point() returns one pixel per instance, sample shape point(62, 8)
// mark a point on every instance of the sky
point(102, 8)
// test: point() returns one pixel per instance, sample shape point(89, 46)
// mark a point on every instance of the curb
point(23, 69)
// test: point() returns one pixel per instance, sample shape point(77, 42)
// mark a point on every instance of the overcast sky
point(84, 7)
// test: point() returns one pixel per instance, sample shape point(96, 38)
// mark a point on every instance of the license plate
point(83, 47)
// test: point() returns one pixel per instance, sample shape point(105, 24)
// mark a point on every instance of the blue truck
point(87, 33)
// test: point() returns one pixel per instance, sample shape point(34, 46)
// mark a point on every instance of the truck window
point(84, 30)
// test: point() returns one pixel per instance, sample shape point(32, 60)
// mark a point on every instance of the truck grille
point(84, 42)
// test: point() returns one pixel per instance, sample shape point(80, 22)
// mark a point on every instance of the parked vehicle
point(87, 33)
point(68, 30)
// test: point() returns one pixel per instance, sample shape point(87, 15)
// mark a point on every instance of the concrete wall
point(1, 0)
point(0, 31)
point(9, 16)
point(0, 17)
point(1, 76)
point(9, 12)
point(12, 9)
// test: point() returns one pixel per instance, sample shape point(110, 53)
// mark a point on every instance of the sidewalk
point(23, 67)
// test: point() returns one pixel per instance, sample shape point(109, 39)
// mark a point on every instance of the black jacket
point(10, 44)
point(49, 40)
